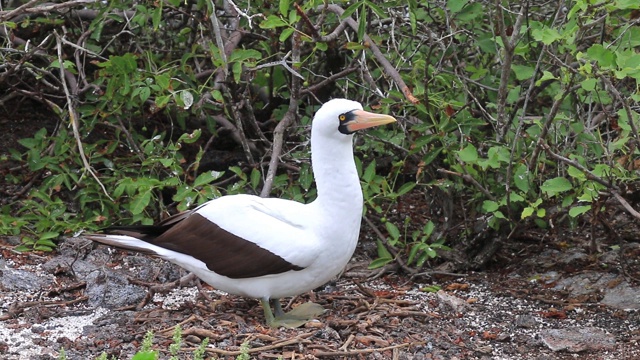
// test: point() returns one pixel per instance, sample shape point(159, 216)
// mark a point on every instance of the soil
point(544, 296)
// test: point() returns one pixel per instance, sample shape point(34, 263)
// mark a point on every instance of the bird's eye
point(342, 117)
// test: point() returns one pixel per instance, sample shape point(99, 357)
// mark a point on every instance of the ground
point(543, 304)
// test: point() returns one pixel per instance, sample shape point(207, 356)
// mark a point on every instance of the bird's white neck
point(336, 177)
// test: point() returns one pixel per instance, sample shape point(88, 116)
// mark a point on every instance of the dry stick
point(626, 205)
point(390, 248)
point(547, 123)
point(365, 351)
point(329, 80)
point(470, 179)
point(589, 174)
point(28, 9)
point(509, 51)
point(17, 11)
point(296, 340)
point(73, 117)
point(386, 65)
point(627, 108)
point(287, 120)
point(218, 36)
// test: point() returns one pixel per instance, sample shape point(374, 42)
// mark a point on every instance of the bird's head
point(341, 117)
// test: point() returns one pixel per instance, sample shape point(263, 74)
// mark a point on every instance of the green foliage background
point(512, 115)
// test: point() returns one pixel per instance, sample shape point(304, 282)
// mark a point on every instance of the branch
point(386, 65)
point(626, 205)
point(73, 116)
point(287, 120)
point(509, 50)
point(470, 179)
point(575, 164)
point(27, 9)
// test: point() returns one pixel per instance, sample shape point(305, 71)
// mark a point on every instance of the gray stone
point(622, 297)
point(22, 280)
point(577, 339)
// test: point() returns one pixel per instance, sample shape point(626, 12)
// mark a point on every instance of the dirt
point(530, 308)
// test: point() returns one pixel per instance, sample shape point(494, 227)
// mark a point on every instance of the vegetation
point(513, 115)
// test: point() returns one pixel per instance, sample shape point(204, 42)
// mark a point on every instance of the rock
point(526, 321)
point(22, 280)
point(455, 303)
point(577, 339)
point(623, 297)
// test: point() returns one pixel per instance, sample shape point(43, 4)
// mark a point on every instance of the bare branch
point(386, 65)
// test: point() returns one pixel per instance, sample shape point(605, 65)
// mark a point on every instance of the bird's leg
point(268, 315)
point(277, 307)
point(294, 318)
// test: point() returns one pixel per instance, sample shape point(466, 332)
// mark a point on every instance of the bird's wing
point(245, 236)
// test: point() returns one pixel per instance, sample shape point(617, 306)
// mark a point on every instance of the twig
point(329, 80)
point(470, 179)
point(365, 351)
point(549, 119)
point(287, 120)
point(17, 308)
point(386, 65)
point(577, 165)
point(218, 36)
point(243, 14)
point(73, 116)
point(509, 51)
point(625, 204)
point(28, 9)
point(283, 63)
point(390, 248)
point(296, 340)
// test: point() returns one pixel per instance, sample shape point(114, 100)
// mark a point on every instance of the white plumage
point(268, 248)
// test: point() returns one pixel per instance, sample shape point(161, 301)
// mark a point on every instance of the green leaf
point(272, 22)
point(206, 178)
point(546, 75)
point(579, 210)
point(382, 250)
point(605, 57)
point(162, 101)
point(369, 172)
point(405, 188)
point(140, 202)
point(528, 211)
point(156, 16)
point(49, 235)
point(522, 72)
point(546, 35)
point(255, 178)
point(456, 6)
point(521, 178)
point(394, 232)
point(431, 155)
point(589, 84)
point(556, 185)
point(428, 228)
point(362, 24)
point(379, 262)
point(147, 355)
point(489, 206)
point(284, 7)
point(469, 154)
point(286, 33)
point(626, 4)
point(163, 80)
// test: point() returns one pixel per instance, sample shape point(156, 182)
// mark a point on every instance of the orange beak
point(363, 119)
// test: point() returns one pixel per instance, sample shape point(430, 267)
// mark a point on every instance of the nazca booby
point(269, 248)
